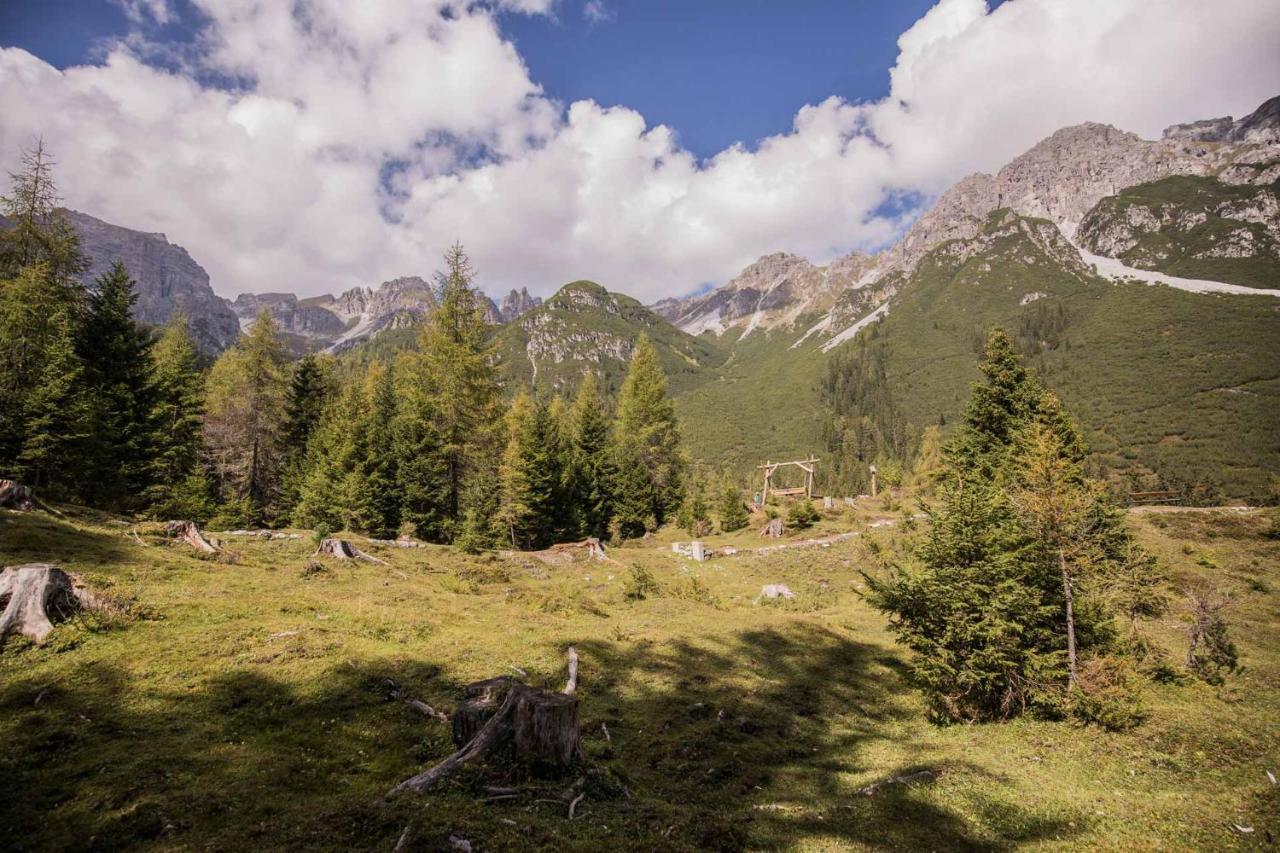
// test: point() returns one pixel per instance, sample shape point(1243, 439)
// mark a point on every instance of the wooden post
point(873, 481)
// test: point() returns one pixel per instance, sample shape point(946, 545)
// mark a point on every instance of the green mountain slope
point(1194, 227)
point(1173, 387)
point(584, 327)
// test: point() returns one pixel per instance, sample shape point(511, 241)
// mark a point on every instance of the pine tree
point(593, 469)
point(733, 513)
point(529, 475)
point(43, 411)
point(310, 389)
point(646, 417)
point(333, 489)
point(694, 515)
point(179, 484)
point(244, 421)
point(993, 607)
point(115, 352)
point(456, 373)
point(382, 513)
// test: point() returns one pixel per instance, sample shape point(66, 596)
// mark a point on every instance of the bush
point(1107, 694)
point(690, 588)
point(802, 514)
point(733, 514)
point(640, 584)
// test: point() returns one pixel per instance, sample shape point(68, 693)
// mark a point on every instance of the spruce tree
point(179, 484)
point(529, 475)
point(244, 423)
point(310, 389)
point(647, 418)
point(456, 373)
point(593, 470)
point(633, 498)
point(115, 352)
point(1007, 592)
point(382, 513)
point(333, 489)
point(733, 513)
point(694, 515)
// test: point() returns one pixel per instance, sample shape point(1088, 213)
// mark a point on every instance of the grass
point(244, 706)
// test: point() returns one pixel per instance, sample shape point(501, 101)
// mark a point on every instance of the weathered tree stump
point(16, 496)
point(189, 533)
point(35, 593)
point(773, 529)
point(344, 550)
point(540, 727)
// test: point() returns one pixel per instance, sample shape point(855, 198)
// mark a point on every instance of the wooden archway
point(770, 468)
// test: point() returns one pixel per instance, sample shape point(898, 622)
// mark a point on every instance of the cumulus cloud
point(355, 141)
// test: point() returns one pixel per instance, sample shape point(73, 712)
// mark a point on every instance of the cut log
point(34, 594)
point(539, 726)
point(189, 533)
point(571, 686)
point(16, 496)
point(344, 550)
point(773, 529)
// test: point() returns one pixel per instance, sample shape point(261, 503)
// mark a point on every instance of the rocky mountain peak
point(517, 302)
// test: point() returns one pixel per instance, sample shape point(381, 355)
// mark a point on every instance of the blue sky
point(566, 139)
point(716, 71)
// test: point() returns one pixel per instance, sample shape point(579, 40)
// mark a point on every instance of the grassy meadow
point(242, 703)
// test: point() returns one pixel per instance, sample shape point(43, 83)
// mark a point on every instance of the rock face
point(168, 279)
point(1060, 179)
point(517, 303)
point(339, 322)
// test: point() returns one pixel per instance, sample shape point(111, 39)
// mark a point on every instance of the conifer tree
point(115, 352)
point(1019, 540)
point(382, 512)
point(593, 470)
point(179, 485)
point(38, 233)
point(529, 475)
point(633, 492)
point(310, 388)
point(694, 515)
point(244, 422)
point(455, 370)
point(647, 418)
point(333, 490)
point(733, 513)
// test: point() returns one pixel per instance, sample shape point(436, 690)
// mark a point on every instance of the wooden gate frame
point(769, 468)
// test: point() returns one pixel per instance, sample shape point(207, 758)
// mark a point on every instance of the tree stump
point(773, 529)
point(539, 726)
point(344, 550)
point(16, 496)
point(33, 593)
point(189, 533)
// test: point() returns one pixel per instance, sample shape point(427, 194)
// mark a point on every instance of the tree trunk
point(1071, 618)
point(34, 592)
point(541, 727)
point(189, 533)
point(773, 529)
point(16, 496)
point(344, 550)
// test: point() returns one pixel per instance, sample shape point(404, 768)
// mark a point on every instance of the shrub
point(640, 584)
point(690, 588)
point(1107, 694)
point(802, 514)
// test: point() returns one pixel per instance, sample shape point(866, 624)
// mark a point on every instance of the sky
point(655, 146)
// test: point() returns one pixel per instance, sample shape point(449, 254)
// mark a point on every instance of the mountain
point(1060, 179)
point(584, 327)
point(167, 279)
point(339, 322)
point(517, 303)
point(1175, 385)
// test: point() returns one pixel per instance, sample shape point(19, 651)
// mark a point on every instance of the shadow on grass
point(741, 744)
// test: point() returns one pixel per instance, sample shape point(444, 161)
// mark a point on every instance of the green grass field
point(243, 705)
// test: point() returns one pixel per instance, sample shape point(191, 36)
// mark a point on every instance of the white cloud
point(139, 11)
point(596, 12)
point(366, 137)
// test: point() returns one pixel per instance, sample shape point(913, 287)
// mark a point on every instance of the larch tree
point(244, 422)
point(647, 418)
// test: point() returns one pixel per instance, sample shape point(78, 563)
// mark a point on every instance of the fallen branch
point(137, 538)
point(416, 704)
point(344, 550)
point(906, 779)
point(574, 804)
